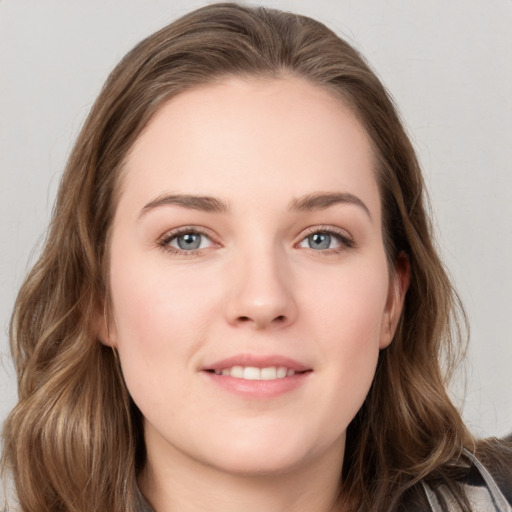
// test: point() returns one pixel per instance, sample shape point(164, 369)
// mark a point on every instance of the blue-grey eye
point(189, 241)
point(319, 241)
point(322, 241)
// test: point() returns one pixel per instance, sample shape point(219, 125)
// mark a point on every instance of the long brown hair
point(74, 440)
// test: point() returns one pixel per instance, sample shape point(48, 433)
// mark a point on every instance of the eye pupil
point(319, 241)
point(189, 241)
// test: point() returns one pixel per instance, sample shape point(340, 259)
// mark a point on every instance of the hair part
point(71, 437)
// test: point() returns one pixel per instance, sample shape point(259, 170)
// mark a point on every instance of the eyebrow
point(324, 200)
point(201, 203)
point(310, 202)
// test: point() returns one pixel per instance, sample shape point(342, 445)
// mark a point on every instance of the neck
point(184, 484)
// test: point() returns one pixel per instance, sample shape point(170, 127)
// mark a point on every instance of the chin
point(264, 455)
point(252, 463)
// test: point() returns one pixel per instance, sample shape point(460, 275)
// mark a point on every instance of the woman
point(239, 304)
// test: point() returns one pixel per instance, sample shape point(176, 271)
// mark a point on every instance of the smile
point(258, 377)
point(253, 373)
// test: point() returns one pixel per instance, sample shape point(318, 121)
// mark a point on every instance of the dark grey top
point(484, 495)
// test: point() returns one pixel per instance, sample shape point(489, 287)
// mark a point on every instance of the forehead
point(239, 138)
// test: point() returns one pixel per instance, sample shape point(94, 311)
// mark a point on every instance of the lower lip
point(259, 389)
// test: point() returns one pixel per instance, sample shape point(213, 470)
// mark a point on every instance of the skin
point(255, 286)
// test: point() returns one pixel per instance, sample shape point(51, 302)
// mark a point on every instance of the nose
point(260, 292)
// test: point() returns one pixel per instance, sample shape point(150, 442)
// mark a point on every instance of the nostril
point(278, 319)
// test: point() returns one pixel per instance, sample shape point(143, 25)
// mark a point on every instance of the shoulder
point(496, 456)
point(141, 504)
point(486, 484)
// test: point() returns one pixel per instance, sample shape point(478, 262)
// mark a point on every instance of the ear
point(398, 285)
point(104, 326)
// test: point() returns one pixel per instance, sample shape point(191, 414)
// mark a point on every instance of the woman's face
point(249, 282)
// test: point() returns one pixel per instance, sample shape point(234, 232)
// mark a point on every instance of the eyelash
point(345, 241)
point(168, 237)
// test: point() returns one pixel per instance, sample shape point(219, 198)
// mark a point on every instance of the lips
point(258, 376)
point(254, 361)
point(254, 373)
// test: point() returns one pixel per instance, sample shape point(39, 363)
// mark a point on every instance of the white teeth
point(237, 371)
point(281, 372)
point(253, 373)
point(268, 373)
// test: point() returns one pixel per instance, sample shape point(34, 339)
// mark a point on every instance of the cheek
point(160, 317)
point(153, 301)
point(350, 304)
point(347, 320)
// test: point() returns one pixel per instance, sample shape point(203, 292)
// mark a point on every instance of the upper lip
point(257, 361)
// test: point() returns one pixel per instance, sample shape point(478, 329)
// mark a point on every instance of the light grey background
point(448, 64)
